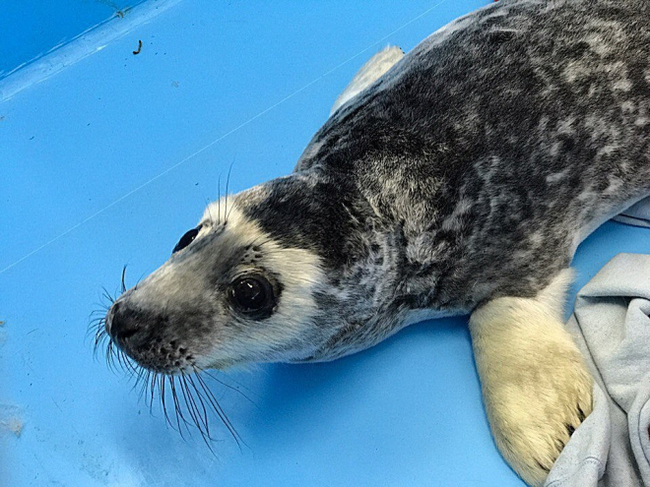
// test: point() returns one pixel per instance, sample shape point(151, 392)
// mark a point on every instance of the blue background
point(110, 161)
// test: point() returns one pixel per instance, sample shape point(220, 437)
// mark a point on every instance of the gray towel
point(611, 324)
point(637, 215)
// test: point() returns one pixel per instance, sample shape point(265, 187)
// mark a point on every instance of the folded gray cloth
point(612, 447)
point(637, 215)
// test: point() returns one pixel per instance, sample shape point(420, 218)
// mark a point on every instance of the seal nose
point(122, 323)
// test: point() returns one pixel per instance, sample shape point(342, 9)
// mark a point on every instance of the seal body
point(460, 181)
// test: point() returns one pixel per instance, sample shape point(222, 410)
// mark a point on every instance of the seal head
point(230, 294)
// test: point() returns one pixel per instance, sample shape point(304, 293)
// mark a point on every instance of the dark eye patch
point(186, 239)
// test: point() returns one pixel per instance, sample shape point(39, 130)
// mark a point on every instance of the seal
point(460, 180)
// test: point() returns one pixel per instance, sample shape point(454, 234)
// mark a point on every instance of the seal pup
point(460, 181)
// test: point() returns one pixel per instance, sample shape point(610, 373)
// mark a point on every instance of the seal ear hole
point(253, 295)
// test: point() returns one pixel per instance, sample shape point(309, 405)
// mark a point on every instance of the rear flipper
point(536, 387)
point(368, 74)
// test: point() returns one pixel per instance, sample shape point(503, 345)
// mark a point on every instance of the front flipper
point(368, 74)
point(536, 387)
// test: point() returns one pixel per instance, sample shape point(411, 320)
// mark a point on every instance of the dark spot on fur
point(500, 36)
point(575, 50)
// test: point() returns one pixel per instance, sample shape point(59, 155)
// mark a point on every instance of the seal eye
point(253, 295)
point(186, 239)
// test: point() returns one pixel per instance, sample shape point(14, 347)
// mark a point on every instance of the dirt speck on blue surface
point(13, 425)
point(11, 420)
point(120, 13)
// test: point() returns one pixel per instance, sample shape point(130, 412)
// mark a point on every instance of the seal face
point(229, 294)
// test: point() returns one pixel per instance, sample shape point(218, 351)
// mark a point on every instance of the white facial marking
point(299, 272)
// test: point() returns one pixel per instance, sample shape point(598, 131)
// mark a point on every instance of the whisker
point(207, 205)
point(177, 406)
point(218, 222)
point(201, 422)
point(205, 436)
point(131, 368)
point(144, 386)
point(110, 356)
point(163, 379)
point(226, 213)
point(184, 393)
point(96, 330)
point(152, 391)
point(220, 412)
point(205, 372)
point(202, 403)
point(138, 281)
point(107, 295)
point(101, 311)
point(140, 381)
point(123, 276)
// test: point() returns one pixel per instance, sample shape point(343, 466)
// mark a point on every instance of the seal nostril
point(115, 308)
point(127, 333)
point(123, 323)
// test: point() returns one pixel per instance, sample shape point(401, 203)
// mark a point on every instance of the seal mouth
point(152, 351)
point(164, 372)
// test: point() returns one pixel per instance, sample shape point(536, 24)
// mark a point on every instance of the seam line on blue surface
point(215, 141)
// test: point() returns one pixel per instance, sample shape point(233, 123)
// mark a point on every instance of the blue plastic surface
point(30, 28)
point(110, 161)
